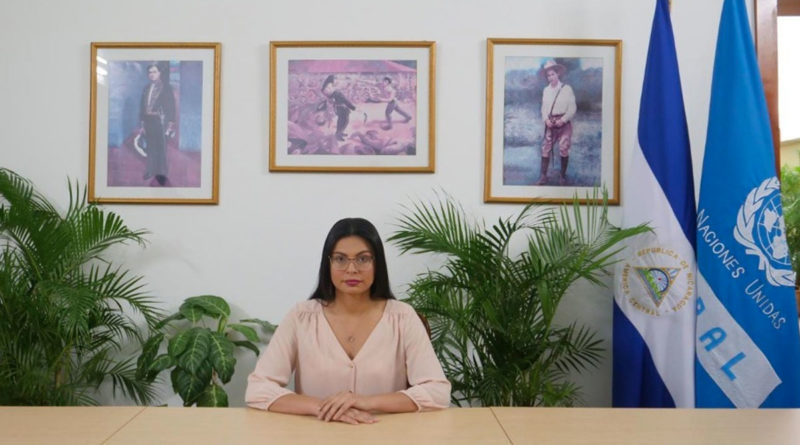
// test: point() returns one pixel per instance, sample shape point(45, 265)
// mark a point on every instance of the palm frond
point(61, 314)
point(438, 229)
point(492, 312)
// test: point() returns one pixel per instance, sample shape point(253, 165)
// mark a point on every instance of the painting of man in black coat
point(157, 116)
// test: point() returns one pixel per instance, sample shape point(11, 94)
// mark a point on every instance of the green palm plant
point(63, 305)
point(492, 312)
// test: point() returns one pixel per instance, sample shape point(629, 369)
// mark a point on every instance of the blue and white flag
point(748, 349)
point(655, 282)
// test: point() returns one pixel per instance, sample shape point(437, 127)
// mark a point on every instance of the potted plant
point(492, 310)
point(64, 306)
point(199, 353)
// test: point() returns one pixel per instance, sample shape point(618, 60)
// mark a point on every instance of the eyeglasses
point(362, 262)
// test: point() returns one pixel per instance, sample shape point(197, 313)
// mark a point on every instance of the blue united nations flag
point(748, 348)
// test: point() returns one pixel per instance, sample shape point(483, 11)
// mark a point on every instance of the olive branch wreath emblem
point(745, 225)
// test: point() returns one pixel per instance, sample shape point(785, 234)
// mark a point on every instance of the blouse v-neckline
point(366, 342)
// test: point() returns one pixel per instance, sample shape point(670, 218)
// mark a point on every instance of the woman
point(353, 348)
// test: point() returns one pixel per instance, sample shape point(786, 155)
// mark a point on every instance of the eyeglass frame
point(353, 261)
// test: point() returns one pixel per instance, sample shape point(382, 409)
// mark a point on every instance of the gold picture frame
point(528, 160)
point(154, 123)
point(340, 106)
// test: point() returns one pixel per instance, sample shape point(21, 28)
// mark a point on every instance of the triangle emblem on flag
point(657, 281)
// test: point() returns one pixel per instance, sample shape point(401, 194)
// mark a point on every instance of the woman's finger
point(346, 405)
point(326, 405)
point(333, 407)
point(339, 404)
point(362, 416)
point(348, 419)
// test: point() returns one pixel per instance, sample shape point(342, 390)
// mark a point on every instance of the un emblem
point(761, 231)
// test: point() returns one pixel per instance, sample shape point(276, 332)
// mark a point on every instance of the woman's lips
point(352, 282)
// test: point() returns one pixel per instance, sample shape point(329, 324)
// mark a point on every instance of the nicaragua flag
point(748, 349)
point(654, 294)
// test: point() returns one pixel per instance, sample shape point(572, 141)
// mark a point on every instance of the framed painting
point(552, 119)
point(154, 123)
point(352, 106)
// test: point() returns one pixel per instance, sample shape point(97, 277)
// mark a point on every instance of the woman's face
point(552, 77)
point(352, 267)
point(153, 74)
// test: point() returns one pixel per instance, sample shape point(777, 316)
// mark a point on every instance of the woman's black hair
point(363, 229)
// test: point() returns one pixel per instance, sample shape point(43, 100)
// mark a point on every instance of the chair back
point(425, 323)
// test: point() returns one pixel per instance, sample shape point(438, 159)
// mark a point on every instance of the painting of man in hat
point(553, 121)
point(558, 109)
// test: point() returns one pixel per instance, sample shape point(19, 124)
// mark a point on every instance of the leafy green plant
point(63, 319)
point(492, 311)
point(790, 191)
point(201, 359)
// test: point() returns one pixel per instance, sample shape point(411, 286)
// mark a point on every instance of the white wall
point(259, 248)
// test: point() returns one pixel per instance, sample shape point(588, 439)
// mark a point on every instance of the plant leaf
point(247, 331)
point(205, 371)
point(221, 356)
point(248, 345)
point(265, 325)
point(173, 317)
point(162, 362)
point(213, 396)
point(192, 312)
point(178, 343)
point(122, 376)
point(214, 306)
point(196, 350)
point(187, 385)
point(149, 351)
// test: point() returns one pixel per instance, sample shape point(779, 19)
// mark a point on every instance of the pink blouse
point(397, 356)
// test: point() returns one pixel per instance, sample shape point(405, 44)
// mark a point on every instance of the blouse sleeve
point(429, 388)
point(275, 366)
